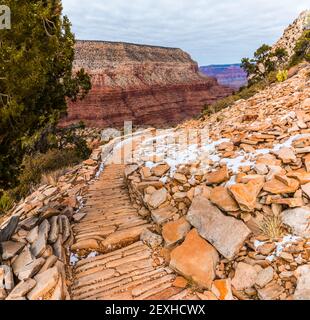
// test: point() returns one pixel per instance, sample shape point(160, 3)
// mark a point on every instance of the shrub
point(301, 50)
point(34, 167)
point(282, 75)
point(6, 202)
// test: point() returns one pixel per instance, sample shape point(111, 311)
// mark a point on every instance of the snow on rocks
point(250, 164)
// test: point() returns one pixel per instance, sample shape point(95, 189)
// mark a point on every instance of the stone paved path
point(124, 268)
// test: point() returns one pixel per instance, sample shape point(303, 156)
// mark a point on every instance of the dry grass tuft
point(272, 226)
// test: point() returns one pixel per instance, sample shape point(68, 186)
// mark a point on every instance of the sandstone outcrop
point(144, 84)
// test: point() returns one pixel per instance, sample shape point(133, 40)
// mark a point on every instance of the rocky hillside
point(149, 85)
point(293, 32)
point(230, 75)
point(238, 192)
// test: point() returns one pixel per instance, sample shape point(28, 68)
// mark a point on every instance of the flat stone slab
point(226, 234)
point(11, 248)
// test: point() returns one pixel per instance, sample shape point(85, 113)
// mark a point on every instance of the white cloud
point(212, 31)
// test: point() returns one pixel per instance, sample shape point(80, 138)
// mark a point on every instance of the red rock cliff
point(148, 85)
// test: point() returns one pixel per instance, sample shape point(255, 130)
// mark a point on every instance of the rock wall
point(145, 84)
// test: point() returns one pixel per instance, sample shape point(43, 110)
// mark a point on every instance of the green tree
point(36, 79)
point(302, 49)
point(264, 62)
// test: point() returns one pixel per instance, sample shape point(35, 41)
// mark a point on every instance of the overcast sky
point(212, 31)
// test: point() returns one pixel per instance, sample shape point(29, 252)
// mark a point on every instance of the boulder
point(298, 220)
point(302, 291)
point(175, 231)
point(195, 259)
point(217, 228)
point(245, 276)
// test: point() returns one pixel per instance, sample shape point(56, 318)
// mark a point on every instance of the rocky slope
point(145, 84)
point(245, 169)
point(293, 32)
point(230, 75)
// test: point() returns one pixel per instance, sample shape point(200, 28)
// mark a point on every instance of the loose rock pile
point(235, 219)
point(34, 241)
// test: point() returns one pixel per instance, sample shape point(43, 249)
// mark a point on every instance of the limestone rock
point(245, 276)
point(217, 176)
point(298, 220)
point(271, 292)
point(175, 231)
point(222, 289)
point(31, 269)
point(264, 277)
point(195, 259)
point(281, 184)
point(158, 198)
point(246, 194)
point(160, 169)
point(22, 289)
point(10, 249)
point(217, 228)
point(45, 282)
point(151, 239)
point(162, 215)
point(222, 198)
point(302, 291)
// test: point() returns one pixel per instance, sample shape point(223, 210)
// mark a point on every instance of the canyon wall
point(231, 75)
point(145, 84)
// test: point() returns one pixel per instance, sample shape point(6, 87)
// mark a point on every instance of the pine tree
point(36, 79)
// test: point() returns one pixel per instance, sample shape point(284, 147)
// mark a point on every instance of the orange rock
point(218, 176)
point(175, 231)
point(221, 197)
point(291, 202)
point(287, 155)
point(222, 289)
point(281, 184)
point(160, 169)
point(302, 177)
point(246, 194)
point(180, 282)
point(195, 259)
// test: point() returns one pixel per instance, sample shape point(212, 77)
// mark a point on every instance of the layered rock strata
point(144, 84)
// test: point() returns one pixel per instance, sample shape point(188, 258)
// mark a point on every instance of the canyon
point(230, 75)
point(145, 84)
